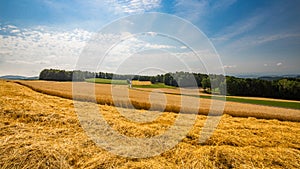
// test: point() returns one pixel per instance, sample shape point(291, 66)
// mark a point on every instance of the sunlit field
point(135, 83)
point(139, 98)
point(42, 131)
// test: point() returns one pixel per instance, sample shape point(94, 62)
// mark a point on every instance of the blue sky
point(250, 36)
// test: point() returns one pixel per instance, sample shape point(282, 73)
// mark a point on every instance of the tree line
point(63, 75)
point(286, 88)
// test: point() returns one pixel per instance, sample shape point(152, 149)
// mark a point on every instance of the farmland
point(135, 83)
point(253, 100)
point(140, 99)
point(42, 131)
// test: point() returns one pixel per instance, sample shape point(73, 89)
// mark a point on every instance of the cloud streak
point(198, 9)
point(239, 28)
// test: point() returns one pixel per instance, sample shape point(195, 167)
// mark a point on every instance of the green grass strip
point(274, 103)
point(292, 105)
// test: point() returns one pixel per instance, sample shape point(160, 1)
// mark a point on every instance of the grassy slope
point(42, 131)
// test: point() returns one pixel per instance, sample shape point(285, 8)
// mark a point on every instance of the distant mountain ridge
point(268, 77)
point(17, 77)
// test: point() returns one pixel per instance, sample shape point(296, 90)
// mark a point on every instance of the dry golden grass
point(141, 83)
point(140, 100)
point(42, 131)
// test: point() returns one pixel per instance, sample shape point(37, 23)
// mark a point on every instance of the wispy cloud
point(251, 41)
point(134, 6)
point(93, 14)
point(274, 37)
point(194, 10)
point(222, 4)
point(229, 66)
point(124, 6)
point(36, 48)
point(239, 28)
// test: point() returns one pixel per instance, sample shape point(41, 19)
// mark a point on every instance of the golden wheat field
point(136, 82)
point(140, 99)
point(43, 131)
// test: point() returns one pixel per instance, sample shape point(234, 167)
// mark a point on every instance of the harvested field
point(140, 99)
point(42, 131)
point(136, 82)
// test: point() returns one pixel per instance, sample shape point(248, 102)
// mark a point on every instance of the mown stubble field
point(140, 99)
point(42, 131)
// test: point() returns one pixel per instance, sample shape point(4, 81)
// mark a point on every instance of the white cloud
point(15, 31)
point(42, 62)
point(136, 6)
point(31, 50)
point(229, 66)
point(11, 27)
point(124, 6)
point(152, 33)
point(156, 46)
point(28, 50)
point(183, 47)
point(279, 64)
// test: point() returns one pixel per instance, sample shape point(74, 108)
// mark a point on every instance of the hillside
point(42, 131)
point(16, 77)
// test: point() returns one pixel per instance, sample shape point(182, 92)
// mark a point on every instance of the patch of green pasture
point(274, 103)
point(284, 104)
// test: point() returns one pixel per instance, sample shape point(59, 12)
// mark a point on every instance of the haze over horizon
point(251, 37)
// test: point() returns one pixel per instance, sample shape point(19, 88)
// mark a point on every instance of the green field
point(284, 104)
point(274, 103)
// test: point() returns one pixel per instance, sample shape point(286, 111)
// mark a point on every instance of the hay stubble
point(42, 131)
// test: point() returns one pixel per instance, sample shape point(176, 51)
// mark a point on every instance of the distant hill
point(270, 78)
point(266, 76)
point(16, 77)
